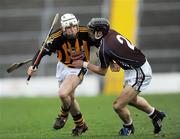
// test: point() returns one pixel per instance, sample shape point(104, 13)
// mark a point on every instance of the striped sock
point(78, 119)
point(63, 112)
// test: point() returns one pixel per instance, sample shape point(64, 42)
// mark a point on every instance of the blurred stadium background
point(154, 26)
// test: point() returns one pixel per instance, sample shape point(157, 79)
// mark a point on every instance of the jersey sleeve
point(54, 41)
point(104, 60)
point(49, 48)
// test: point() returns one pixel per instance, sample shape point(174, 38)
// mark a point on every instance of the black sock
point(155, 114)
point(128, 126)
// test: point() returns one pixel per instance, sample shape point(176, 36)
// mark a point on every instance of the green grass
point(32, 118)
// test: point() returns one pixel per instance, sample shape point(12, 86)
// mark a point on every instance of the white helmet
point(67, 20)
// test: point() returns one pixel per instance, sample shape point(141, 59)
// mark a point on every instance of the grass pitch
point(32, 118)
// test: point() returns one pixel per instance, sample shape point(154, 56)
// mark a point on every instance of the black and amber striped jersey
point(65, 48)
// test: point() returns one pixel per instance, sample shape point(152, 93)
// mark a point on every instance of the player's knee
point(62, 95)
point(117, 106)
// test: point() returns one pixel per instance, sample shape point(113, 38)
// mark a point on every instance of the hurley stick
point(43, 45)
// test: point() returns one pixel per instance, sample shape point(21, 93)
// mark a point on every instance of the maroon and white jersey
point(115, 47)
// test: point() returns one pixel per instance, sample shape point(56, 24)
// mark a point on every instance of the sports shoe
point(126, 130)
point(157, 122)
point(60, 122)
point(78, 130)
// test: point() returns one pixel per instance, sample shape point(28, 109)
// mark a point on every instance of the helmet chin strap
point(97, 36)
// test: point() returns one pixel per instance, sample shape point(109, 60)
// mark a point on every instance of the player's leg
point(156, 115)
point(141, 104)
point(70, 104)
point(119, 105)
point(75, 108)
point(65, 92)
point(143, 76)
point(80, 125)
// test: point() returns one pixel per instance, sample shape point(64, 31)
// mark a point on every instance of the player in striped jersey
point(70, 42)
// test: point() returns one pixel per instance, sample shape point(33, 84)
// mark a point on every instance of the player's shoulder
point(57, 33)
point(113, 35)
point(113, 32)
point(111, 39)
point(83, 33)
point(83, 29)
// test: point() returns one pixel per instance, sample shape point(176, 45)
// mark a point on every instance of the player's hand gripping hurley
point(43, 45)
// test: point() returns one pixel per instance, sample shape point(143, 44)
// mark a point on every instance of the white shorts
point(62, 71)
point(139, 78)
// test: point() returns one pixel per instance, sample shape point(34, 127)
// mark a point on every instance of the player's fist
point(114, 67)
point(30, 70)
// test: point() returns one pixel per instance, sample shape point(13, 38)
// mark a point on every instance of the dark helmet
point(99, 24)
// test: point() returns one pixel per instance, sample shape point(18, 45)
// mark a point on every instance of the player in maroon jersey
point(115, 48)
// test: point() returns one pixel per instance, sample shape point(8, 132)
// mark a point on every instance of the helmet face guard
point(97, 25)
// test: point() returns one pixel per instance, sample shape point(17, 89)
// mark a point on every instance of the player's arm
point(95, 69)
point(50, 47)
point(43, 53)
point(101, 70)
point(90, 66)
point(47, 50)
